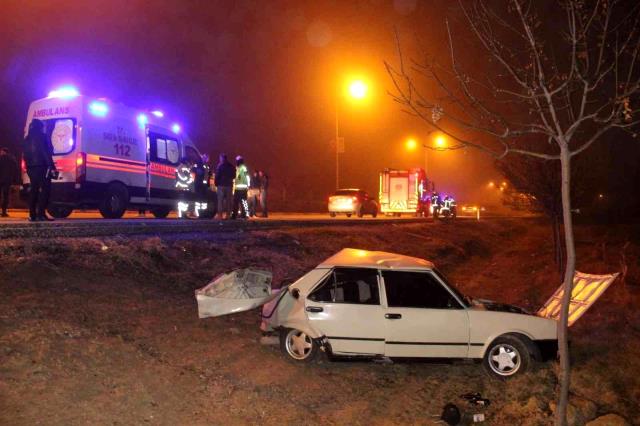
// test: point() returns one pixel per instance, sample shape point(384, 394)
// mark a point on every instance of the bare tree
point(562, 75)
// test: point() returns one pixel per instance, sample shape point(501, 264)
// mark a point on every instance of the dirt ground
point(105, 331)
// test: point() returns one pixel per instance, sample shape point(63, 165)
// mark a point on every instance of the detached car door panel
point(423, 318)
point(346, 308)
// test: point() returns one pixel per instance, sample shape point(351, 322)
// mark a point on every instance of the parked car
point(377, 304)
point(352, 201)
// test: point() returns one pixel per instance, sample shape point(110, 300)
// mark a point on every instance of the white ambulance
point(113, 158)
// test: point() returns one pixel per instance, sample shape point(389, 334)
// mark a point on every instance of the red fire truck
point(404, 191)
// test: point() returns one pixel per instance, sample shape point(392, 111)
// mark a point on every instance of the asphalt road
point(90, 223)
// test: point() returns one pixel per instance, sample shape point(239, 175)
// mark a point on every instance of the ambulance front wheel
point(115, 201)
point(59, 212)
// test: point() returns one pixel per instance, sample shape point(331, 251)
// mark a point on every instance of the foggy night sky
point(257, 78)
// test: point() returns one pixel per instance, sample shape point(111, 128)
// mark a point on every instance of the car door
point(346, 308)
point(422, 317)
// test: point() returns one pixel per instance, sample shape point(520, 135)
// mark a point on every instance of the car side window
point(416, 290)
point(349, 285)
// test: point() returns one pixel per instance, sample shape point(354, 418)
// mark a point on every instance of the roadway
point(90, 223)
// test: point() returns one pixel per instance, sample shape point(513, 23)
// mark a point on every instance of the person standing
point(8, 172)
point(242, 183)
point(225, 173)
point(254, 194)
point(38, 157)
point(264, 187)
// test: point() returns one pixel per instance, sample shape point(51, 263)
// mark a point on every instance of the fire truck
point(404, 191)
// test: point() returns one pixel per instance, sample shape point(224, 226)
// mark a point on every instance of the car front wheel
point(297, 345)
point(506, 357)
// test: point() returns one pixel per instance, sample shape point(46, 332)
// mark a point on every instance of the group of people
point(239, 192)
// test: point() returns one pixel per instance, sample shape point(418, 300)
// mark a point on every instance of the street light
point(439, 144)
point(357, 90)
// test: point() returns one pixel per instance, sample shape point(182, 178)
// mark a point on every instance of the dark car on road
point(352, 201)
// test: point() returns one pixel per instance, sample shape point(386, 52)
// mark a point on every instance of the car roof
point(374, 259)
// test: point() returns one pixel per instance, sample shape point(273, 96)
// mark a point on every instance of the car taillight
point(81, 167)
point(354, 198)
point(23, 166)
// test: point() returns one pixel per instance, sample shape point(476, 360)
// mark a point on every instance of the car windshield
point(352, 192)
point(466, 300)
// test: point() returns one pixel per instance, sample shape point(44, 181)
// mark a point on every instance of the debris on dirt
point(474, 398)
point(451, 414)
point(237, 291)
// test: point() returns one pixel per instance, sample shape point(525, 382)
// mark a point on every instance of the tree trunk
point(557, 242)
point(563, 329)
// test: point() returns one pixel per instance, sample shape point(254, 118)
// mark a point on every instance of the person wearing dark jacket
point(8, 172)
point(254, 194)
point(38, 157)
point(225, 173)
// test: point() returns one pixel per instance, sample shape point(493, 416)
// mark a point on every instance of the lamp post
point(357, 90)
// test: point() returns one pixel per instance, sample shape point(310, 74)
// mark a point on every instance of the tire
point(506, 357)
point(359, 212)
point(114, 204)
point(375, 213)
point(332, 214)
point(59, 212)
point(348, 214)
point(161, 212)
point(298, 346)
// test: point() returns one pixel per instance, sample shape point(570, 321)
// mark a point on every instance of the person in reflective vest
point(242, 182)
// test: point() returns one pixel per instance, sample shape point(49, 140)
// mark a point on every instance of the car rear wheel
point(374, 213)
point(59, 212)
point(115, 201)
point(506, 357)
point(348, 214)
point(297, 345)
point(332, 214)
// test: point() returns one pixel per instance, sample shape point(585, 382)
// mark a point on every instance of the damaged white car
point(377, 304)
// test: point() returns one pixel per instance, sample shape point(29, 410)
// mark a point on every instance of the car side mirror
point(295, 293)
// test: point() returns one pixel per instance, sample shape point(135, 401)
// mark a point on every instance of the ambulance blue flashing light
point(64, 92)
point(142, 120)
point(176, 128)
point(99, 109)
point(158, 114)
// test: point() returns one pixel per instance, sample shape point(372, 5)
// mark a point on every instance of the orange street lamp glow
point(441, 142)
point(358, 89)
point(411, 144)
point(492, 184)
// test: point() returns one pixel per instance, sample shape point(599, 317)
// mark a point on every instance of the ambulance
point(114, 158)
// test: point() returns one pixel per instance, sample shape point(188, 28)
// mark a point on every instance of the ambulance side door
point(164, 157)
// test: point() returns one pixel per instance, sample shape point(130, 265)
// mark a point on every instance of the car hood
point(490, 305)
